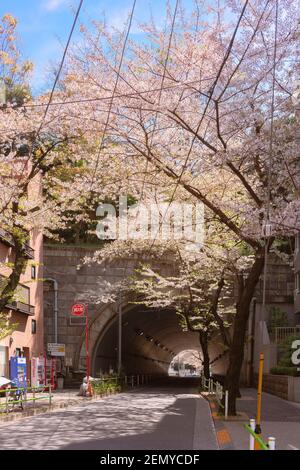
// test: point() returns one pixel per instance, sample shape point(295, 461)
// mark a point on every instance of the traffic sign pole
point(87, 347)
point(81, 310)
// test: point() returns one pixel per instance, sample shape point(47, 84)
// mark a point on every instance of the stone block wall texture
point(75, 283)
point(283, 386)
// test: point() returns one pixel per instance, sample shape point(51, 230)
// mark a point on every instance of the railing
point(215, 388)
point(126, 380)
point(29, 251)
point(256, 438)
point(281, 333)
point(22, 397)
point(21, 307)
point(7, 238)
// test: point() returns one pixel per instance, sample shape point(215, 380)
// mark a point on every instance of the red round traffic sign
point(78, 310)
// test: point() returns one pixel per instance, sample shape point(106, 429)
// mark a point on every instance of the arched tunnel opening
point(187, 363)
point(151, 340)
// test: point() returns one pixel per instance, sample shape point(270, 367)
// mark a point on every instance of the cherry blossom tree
point(197, 294)
point(207, 103)
point(49, 172)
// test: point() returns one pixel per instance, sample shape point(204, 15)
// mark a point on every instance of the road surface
point(150, 418)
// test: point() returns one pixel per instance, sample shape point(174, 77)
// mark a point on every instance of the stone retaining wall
point(283, 386)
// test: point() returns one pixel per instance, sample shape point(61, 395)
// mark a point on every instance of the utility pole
point(120, 335)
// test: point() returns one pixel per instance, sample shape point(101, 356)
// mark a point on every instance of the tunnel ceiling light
point(139, 332)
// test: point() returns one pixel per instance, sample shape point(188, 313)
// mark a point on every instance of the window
point(23, 294)
point(33, 327)
point(33, 272)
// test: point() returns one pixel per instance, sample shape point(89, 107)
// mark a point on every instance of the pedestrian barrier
point(221, 395)
point(11, 397)
point(116, 383)
point(270, 445)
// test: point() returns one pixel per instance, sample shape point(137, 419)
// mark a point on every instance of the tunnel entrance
point(186, 364)
point(151, 339)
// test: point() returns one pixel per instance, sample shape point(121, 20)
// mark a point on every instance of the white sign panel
point(56, 349)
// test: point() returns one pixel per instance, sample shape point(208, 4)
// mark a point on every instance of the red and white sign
point(78, 310)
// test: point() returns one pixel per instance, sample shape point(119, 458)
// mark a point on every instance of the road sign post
point(81, 310)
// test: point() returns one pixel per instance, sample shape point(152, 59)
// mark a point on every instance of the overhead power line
point(210, 98)
point(114, 91)
point(57, 76)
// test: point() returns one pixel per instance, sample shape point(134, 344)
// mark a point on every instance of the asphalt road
point(165, 417)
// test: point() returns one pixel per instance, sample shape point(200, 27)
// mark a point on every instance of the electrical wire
point(210, 97)
point(269, 176)
point(37, 133)
point(113, 94)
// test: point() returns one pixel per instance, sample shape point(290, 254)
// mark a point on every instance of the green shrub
point(277, 318)
point(101, 386)
point(281, 370)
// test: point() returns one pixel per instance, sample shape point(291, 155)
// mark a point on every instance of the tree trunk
point(203, 339)
point(236, 353)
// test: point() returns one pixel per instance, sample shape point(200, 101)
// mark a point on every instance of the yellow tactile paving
point(223, 437)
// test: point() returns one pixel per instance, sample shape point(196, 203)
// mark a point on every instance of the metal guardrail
point(127, 380)
point(19, 396)
point(29, 251)
point(281, 333)
point(21, 307)
point(7, 238)
point(214, 387)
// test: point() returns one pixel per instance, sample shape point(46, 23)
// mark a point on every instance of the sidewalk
point(60, 399)
point(280, 419)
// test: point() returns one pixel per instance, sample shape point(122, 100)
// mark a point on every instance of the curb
point(224, 439)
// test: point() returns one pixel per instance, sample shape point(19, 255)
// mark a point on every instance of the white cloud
point(52, 5)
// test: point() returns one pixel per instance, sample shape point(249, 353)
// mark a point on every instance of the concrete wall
point(77, 282)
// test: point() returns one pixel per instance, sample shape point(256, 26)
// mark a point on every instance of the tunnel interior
point(151, 339)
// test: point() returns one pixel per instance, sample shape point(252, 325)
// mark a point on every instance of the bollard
point(50, 396)
point(271, 443)
point(226, 404)
point(125, 379)
point(33, 393)
point(132, 380)
point(252, 440)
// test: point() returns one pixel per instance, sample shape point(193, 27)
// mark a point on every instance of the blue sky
point(43, 25)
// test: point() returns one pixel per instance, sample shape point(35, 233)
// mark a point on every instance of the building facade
point(25, 311)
